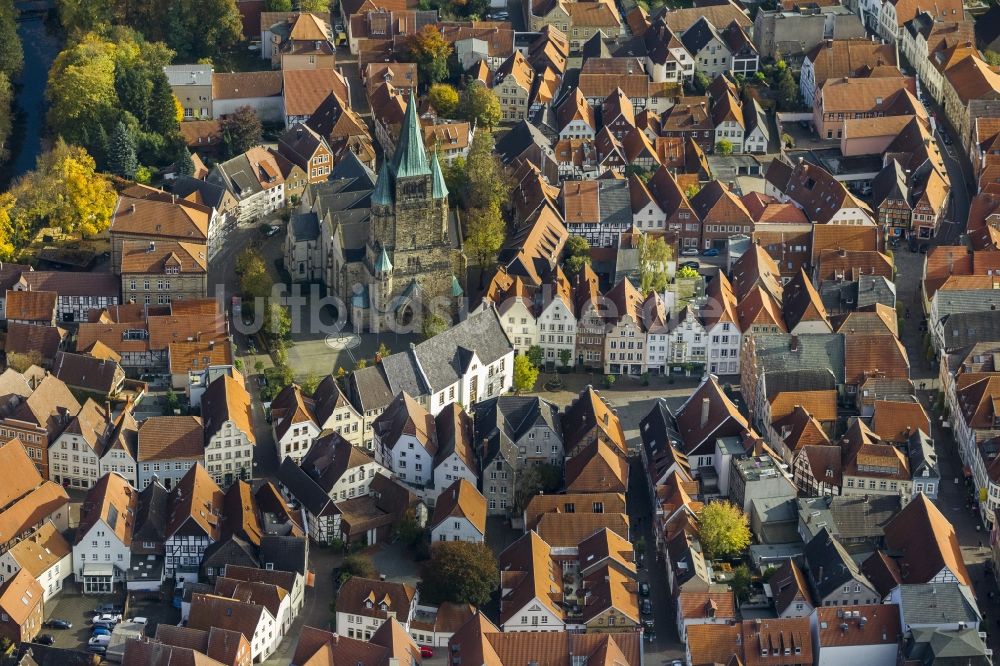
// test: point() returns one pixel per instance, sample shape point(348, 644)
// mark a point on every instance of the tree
point(534, 355)
point(277, 321)
point(788, 90)
point(144, 175)
point(171, 403)
point(382, 351)
point(81, 16)
point(254, 280)
point(525, 374)
point(741, 582)
point(685, 272)
point(81, 91)
point(133, 89)
point(691, 190)
point(241, 131)
point(314, 6)
point(485, 235)
point(724, 147)
point(258, 366)
point(991, 57)
point(11, 55)
point(444, 99)
point(185, 163)
point(162, 107)
point(201, 28)
point(278, 5)
point(480, 105)
point(576, 254)
point(461, 572)
point(654, 253)
point(487, 183)
point(21, 362)
point(565, 357)
point(701, 82)
point(310, 383)
point(69, 192)
point(536, 479)
point(724, 529)
point(121, 152)
point(432, 325)
point(361, 364)
point(430, 51)
point(6, 114)
point(356, 565)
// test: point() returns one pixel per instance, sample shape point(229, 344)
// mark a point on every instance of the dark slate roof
point(284, 553)
point(211, 193)
point(370, 388)
point(849, 517)
point(920, 448)
point(151, 514)
point(615, 202)
point(595, 47)
point(940, 646)
point(350, 167)
point(962, 329)
point(404, 374)
point(794, 381)
point(305, 226)
point(520, 138)
point(493, 433)
point(874, 289)
point(825, 554)
point(443, 357)
point(890, 183)
point(988, 29)
point(698, 35)
point(302, 487)
point(814, 352)
point(937, 603)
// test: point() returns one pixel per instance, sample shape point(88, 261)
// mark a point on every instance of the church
point(388, 246)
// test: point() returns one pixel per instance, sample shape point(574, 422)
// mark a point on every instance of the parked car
point(99, 640)
point(104, 625)
point(108, 617)
point(271, 230)
point(689, 252)
point(44, 639)
point(648, 625)
point(97, 649)
point(711, 252)
point(138, 620)
point(107, 608)
point(101, 631)
point(644, 589)
point(426, 652)
point(647, 607)
point(59, 624)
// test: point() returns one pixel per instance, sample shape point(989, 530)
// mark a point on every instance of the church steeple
point(439, 189)
point(382, 196)
point(410, 158)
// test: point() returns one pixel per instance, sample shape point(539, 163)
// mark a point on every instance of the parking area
point(78, 609)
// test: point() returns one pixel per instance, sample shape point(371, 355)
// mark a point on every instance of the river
point(40, 49)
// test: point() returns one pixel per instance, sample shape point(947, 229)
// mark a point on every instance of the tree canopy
point(724, 529)
point(444, 98)
point(461, 572)
point(430, 51)
point(654, 253)
point(576, 254)
point(480, 105)
point(525, 374)
point(241, 131)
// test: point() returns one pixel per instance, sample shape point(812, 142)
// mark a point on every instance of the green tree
point(361, 364)
point(144, 175)
point(382, 351)
point(277, 321)
point(254, 280)
point(258, 366)
point(485, 236)
point(318, 6)
point(461, 572)
point(444, 99)
point(356, 565)
point(67, 191)
point(171, 403)
point(536, 479)
point(6, 114)
point(741, 582)
point(241, 131)
point(724, 147)
point(310, 383)
point(691, 190)
point(534, 355)
point(432, 325)
point(788, 90)
point(201, 28)
point(565, 357)
point(133, 89)
point(162, 115)
point(278, 5)
point(21, 362)
point(576, 254)
point(185, 163)
point(82, 16)
point(525, 374)
point(11, 55)
point(685, 272)
point(724, 530)
point(654, 253)
point(701, 82)
point(430, 51)
point(479, 104)
point(81, 91)
point(121, 152)
point(991, 58)
point(487, 182)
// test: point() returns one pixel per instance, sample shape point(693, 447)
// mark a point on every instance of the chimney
point(795, 343)
point(705, 404)
point(107, 409)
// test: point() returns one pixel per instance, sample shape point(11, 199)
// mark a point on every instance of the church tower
point(412, 233)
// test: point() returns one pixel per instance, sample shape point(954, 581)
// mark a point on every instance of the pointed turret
point(410, 158)
point(456, 287)
point(383, 265)
point(382, 196)
point(439, 189)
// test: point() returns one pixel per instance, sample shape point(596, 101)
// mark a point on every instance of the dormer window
point(368, 604)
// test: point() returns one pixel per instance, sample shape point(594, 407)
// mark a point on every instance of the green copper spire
point(383, 265)
point(382, 196)
point(440, 189)
point(456, 287)
point(410, 158)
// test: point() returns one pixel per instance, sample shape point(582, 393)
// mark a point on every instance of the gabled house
point(531, 590)
point(835, 579)
point(405, 439)
point(459, 515)
point(364, 605)
point(195, 510)
point(101, 550)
